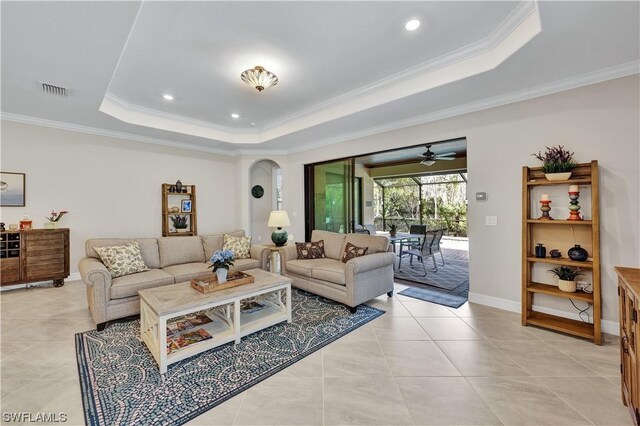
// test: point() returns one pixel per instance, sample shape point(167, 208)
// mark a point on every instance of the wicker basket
point(568, 286)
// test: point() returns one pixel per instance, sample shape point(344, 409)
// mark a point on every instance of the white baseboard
point(611, 327)
point(72, 277)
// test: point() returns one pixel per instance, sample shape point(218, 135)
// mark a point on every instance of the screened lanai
point(436, 200)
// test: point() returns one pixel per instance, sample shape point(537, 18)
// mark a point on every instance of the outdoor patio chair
point(371, 229)
point(435, 247)
point(423, 251)
point(418, 229)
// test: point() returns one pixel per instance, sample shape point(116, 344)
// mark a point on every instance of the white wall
point(111, 187)
point(259, 208)
point(597, 122)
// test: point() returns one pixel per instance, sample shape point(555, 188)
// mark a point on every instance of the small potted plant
point(567, 276)
point(220, 262)
point(53, 219)
point(393, 229)
point(557, 163)
point(180, 223)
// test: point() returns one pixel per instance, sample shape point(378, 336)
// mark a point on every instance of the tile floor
point(419, 364)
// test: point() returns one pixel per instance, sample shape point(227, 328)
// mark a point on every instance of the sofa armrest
point(98, 280)
point(93, 272)
point(370, 262)
point(260, 253)
point(287, 253)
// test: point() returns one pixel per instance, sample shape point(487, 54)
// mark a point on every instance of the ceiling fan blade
point(446, 154)
point(444, 158)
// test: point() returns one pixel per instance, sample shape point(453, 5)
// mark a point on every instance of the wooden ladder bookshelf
point(173, 199)
point(559, 234)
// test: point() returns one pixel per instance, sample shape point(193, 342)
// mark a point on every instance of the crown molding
point(522, 25)
point(110, 133)
point(147, 117)
point(594, 77)
point(598, 76)
point(506, 27)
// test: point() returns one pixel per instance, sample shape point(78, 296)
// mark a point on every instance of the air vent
point(52, 89)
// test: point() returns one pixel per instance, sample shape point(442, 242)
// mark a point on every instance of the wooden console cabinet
point(36, 255)
point(629, 302)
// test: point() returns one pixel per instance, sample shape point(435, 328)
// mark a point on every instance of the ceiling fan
point(429, 157)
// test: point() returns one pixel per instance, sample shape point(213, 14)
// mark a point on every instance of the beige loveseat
point(351, 283)
point(170, 260)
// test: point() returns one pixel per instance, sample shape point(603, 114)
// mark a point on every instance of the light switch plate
point(481, 196)
point(491, 220)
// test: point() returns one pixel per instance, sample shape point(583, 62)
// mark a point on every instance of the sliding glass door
point(329, 196)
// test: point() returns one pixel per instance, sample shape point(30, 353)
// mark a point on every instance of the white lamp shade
point(278, 219)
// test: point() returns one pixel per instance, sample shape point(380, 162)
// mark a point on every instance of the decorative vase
point(393, 232)
point(182, 230)
point(541, 251)
point(555, 254)
point(221, 274)
point(578, 254)
point(178, 186)
point(279, 237)
point(567, 286)
point(554, 177)
point(50, 225)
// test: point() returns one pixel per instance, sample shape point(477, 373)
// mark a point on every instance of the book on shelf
point(180, 341)
point(187, 322)
point(250, 307)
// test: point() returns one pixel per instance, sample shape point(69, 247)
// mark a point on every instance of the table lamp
point(278, 219)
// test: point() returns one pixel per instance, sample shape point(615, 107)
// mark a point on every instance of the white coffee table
point(162, 304)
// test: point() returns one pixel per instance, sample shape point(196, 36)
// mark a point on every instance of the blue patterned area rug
point(439, 296)
point(121, 385)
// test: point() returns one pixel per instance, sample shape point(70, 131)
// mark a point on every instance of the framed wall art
point(12, 189)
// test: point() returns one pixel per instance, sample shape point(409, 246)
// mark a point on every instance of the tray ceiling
point(346, 69)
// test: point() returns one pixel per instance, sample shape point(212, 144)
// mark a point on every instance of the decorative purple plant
point(556, 160)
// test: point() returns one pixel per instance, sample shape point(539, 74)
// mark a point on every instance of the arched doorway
point(265, 176)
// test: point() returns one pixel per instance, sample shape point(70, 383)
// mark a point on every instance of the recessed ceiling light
point(252, 124)
point(412, 25)
point(234, 115)
point(168, 97)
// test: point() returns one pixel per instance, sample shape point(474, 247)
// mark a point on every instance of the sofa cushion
point(215, 242)
point(129, 285)
point(240, 246)
point(178, 250)
point(351, 252)
point(311, 250)
point(333, 243)
point(332, 271)
point(122, 260)
point(189, 271)
point(375, 243)
point(303, 267)
point(244, 264)
point(148, 248)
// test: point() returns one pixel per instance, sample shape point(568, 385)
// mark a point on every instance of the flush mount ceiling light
point(234, 115)
point(412, 25)
point(259, 78)
point(168, 97)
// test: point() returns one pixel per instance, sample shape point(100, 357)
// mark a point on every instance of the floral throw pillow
point(122, 260)
point(240, 246)
point(351, 252)
point(314, 250)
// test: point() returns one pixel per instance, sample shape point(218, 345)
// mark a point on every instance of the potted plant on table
point(557, 163)
point(53, 219)
point(220, 262)
point(180, 223)
point(567, 276)
point(393, 230)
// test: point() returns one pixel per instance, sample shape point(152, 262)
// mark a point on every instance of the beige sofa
point(170, 260)
point(351, 283)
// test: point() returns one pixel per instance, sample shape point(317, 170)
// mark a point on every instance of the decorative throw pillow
point(314, 250)
point(240, 246)
point(122, 260)
point(351, 252)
